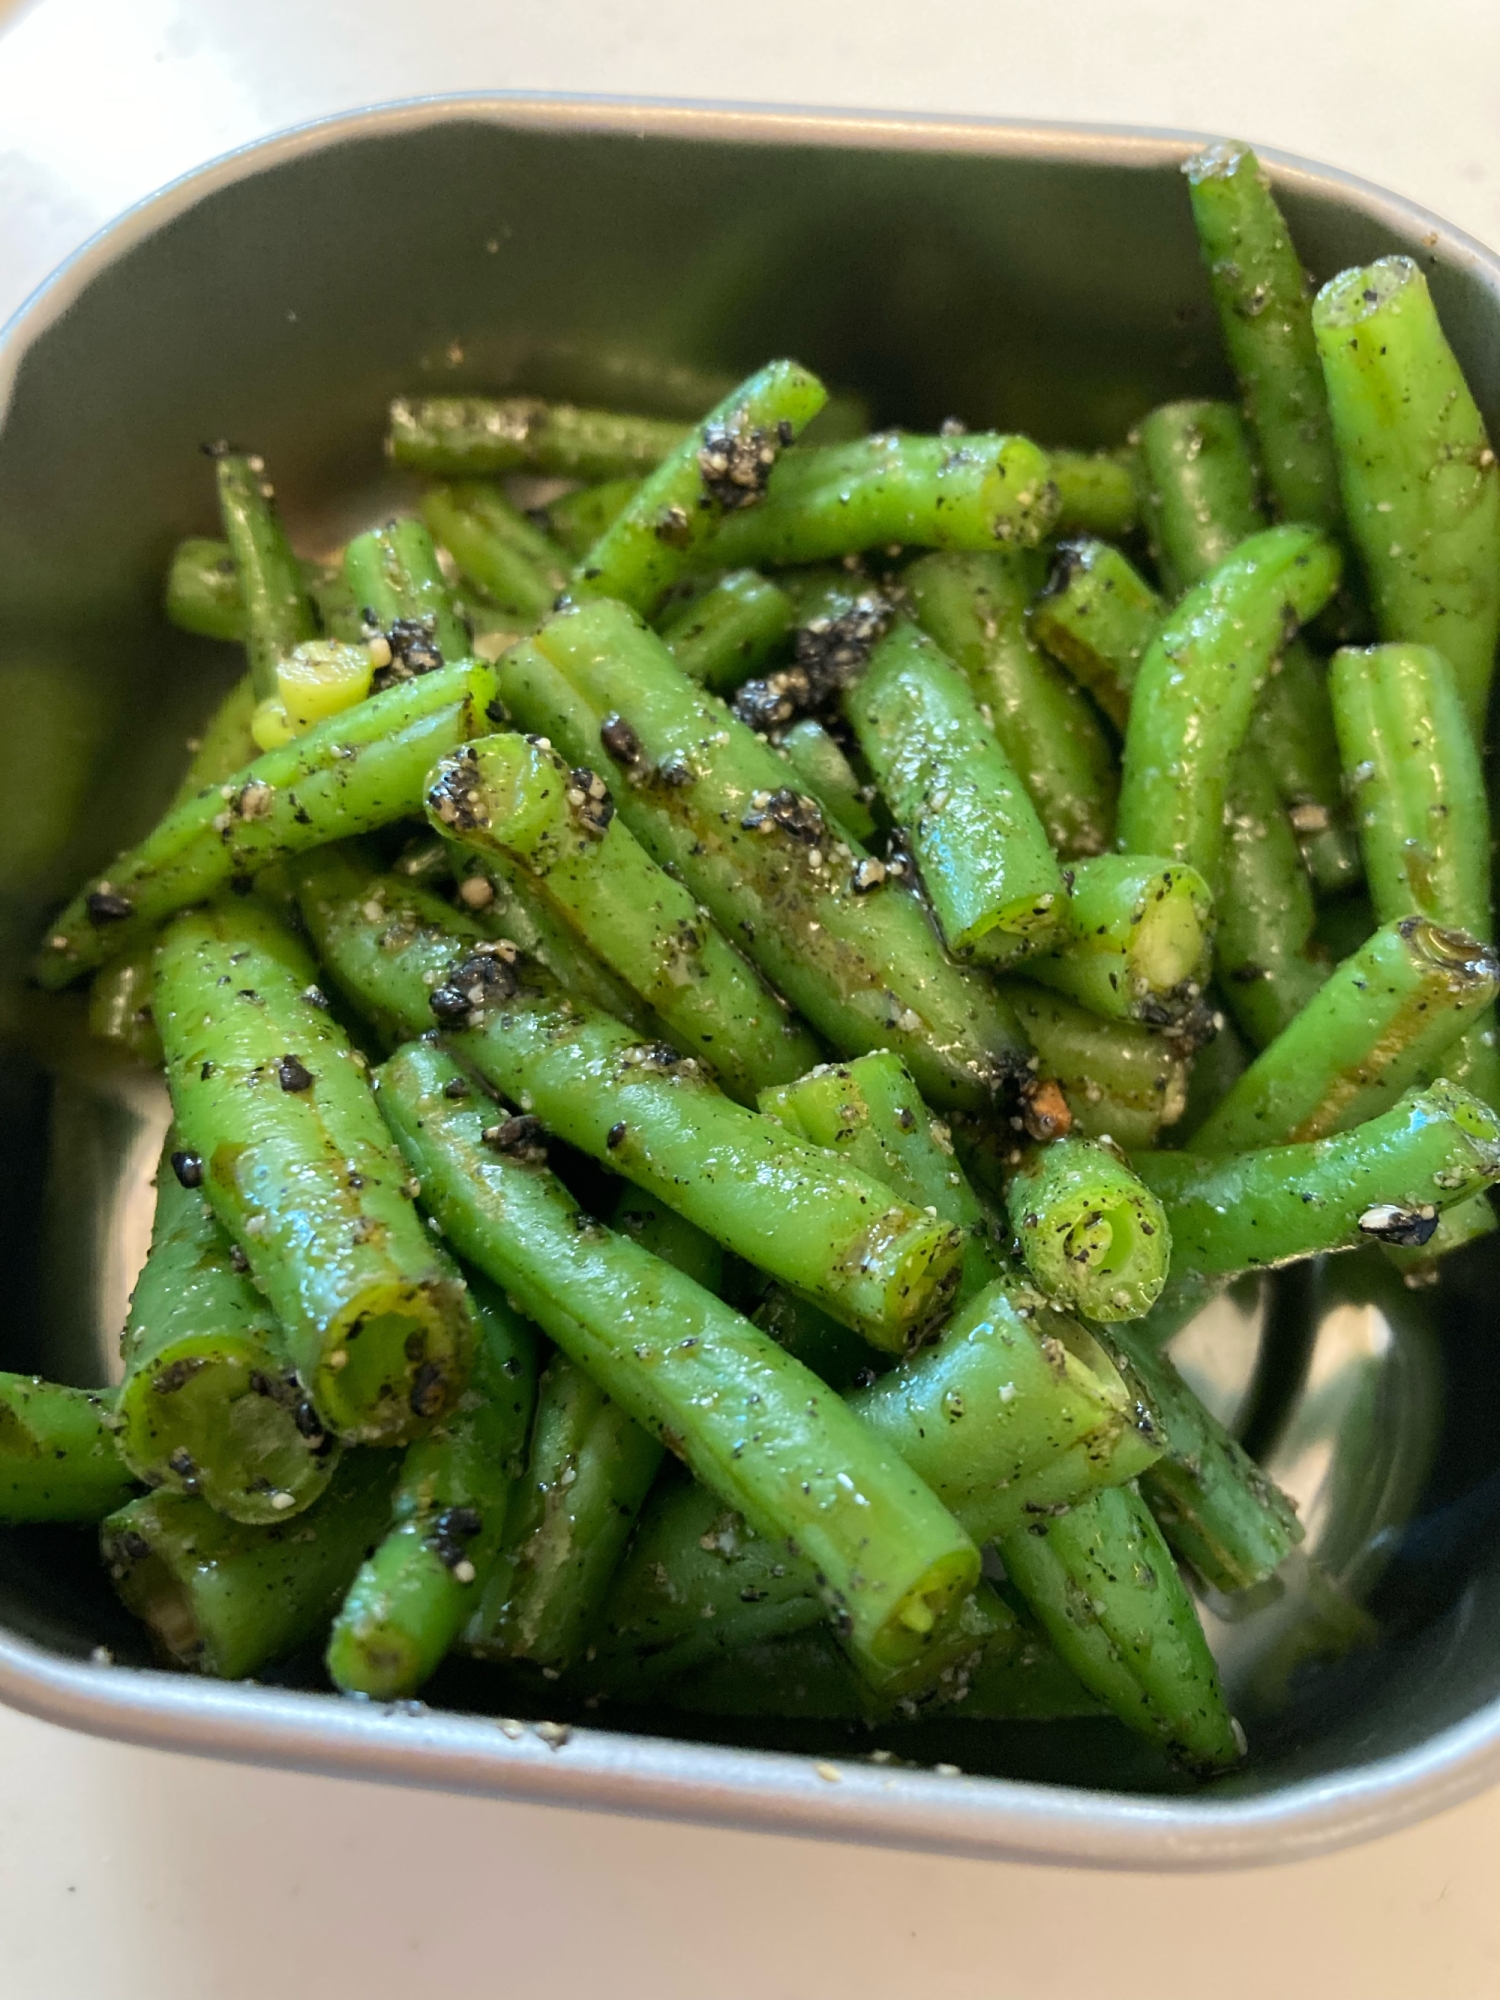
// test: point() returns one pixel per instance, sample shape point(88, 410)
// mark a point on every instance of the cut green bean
point(1269, 964)
point(519, 569)
point(825, 774)
point(1121, 1080)
point(723, 635)
point(59, 1458)
point(226, 1598)
point(1197, 690)
point(416, 1591)
point(1292, 733)
point(356, 771)
point(1094, 1240)
point(1102, 1583)
point(852, 950)
point(717, 471)
point(1097, 614)
point(210, 1402)
point(1135, 939)
point(225, 746)
point(1199, 497)
point(1420, 486)
point(278, 613)
point(466, 437)
point(1380, 1022)
point(990, 875)
point(120, 1004)
point(512, 794)
point(1265, 316)
point(399, 586)
point(1386, 1180)
point(638, 1108)
point(748, 1420)
point(891, 490)
point(578, 519)
point(203, 590)
point(1096, 491)
point(974, 607)
point(281, 1132)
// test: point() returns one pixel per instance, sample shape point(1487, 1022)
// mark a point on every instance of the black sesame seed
point(188, 1168)
point(292, 1074)
point(108, 906)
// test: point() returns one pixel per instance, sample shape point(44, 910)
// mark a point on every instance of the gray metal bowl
point(1041, 278)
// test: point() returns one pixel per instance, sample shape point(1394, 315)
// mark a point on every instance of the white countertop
point(132, 1875)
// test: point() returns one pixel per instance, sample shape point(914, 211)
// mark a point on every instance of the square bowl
point(646, 255)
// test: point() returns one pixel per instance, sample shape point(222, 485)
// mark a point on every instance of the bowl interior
point(1057, 291)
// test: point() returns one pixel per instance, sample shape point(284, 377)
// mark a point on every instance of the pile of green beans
point(681, 1010)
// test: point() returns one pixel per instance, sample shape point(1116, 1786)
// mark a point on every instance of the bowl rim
point(665, 1777)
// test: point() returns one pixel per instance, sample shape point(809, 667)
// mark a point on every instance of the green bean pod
point(893, 489)
point(719, 471)
point(1420, 486)
point(510, 794)
point(59, 1457)
point(824, 773)
point(1135, 939)
point(356, 771)
point(519, 569)
point(284, 1137)
point(1096, 492)
point(224, 746)
point(1101, 1582)
point(278, 613)
point(210, 1402)
point(120, 1004)
point(721, 636)
point(1097, 614)
point(638, 1108)
point(1093, 1238)
point(397, 582)
point(416, 1591)
point(974, 607)
point(577, 520)
point(1379, 1023)
point(1199, 494)
point(1269, 964)
point(1265, 316)
point(467, 437)
point(1385, 1180)
point(203, 593)
point(227, 1598)
point(850, 948)
point(1292, 733)
point(1197, 690)
point(748, 1420)
point(1122, 1080)
point(990, 875)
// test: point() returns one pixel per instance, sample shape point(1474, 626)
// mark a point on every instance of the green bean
point(1135, 939)
point(718, 470)
point(1014, 1412)
point(721, 636)
point(210, 1402)
point(1198, 686)
point(120, 1004)
point(1097, 614)
point(1264, 306)
point(839, 616)
point(511, 794)
point(1097, 492)
point(919, 492)
point(416, 1591)
point(1215, 1067)
point(356, 771)
point(519, 569)
point(227, 1598)
point(639, 1109)
point(974, 607)
point(398, 584)
point(1292, 733)
point(831, 1351)
point(990, 875)
point(1420, 487)
point(59, 1459)
point(1213, 1503)
point(278, 614)
point(463, 437)
point(1094, 1240)
point(225, 746)
point(869, 1111)
point(824, 773)
point(1387, 1179)
point(748, 1420)
point(283, 1135)
point(1378, 1024)
point(1269, 964)
point(578, 519)
point(852, 951)
point(203, 590)
point(1199, 497)
point(1102, 1584)
point(1120, 1079)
